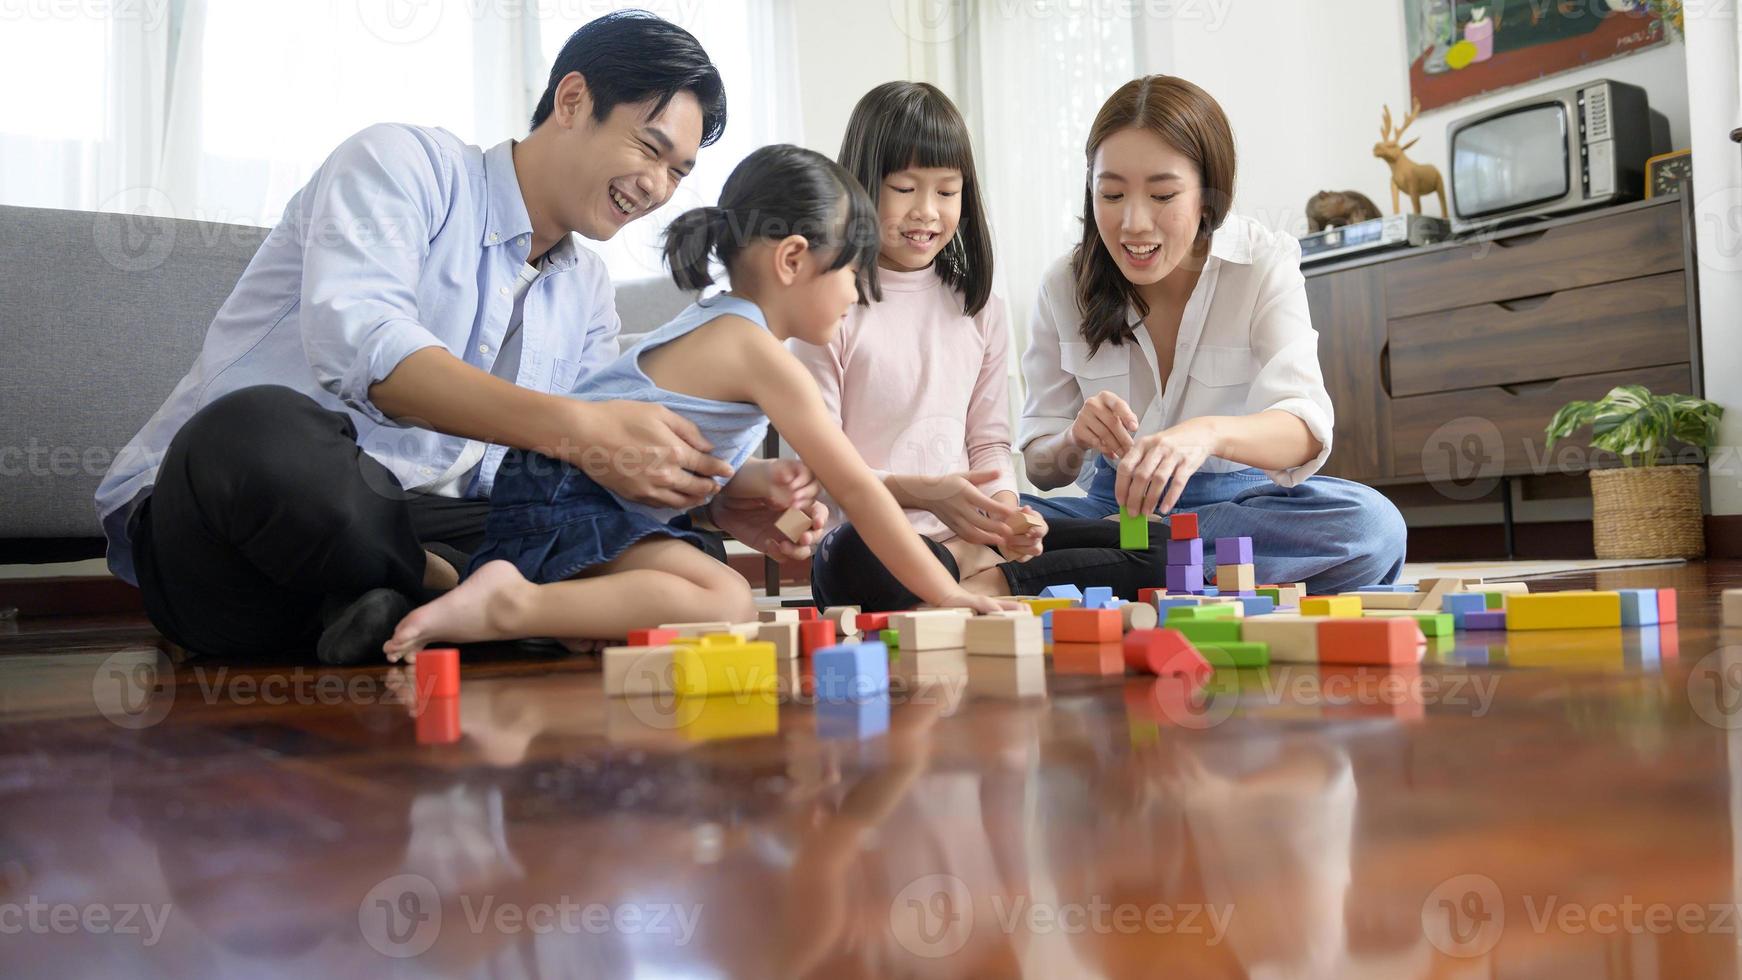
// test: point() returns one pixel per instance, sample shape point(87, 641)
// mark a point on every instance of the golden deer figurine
point(1414, 179)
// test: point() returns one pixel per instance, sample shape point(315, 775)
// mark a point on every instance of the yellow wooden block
point(1040, 607)
point(1346, 606)
point(1563, 610)
point(741, 669)
point(720, 718)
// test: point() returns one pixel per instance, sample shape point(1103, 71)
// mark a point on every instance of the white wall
point(844, 50)
point(1303, 91)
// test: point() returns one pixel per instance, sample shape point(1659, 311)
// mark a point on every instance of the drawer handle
point(1385, 368)
point(1523, 303)
point(1529, 387)
point(1513, 241)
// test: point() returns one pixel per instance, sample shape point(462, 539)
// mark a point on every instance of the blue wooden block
point(1258, 605)
point(1185, 578)
point(1188, 552)
point(1638, 607)
point(1210, 590)
point(1046, 620)
point(1062, 592)
point(851, 670)
point(1163, 604)
point(1096, 596)
point(1461, 603)
point(1233, 551)
point(1113, 603)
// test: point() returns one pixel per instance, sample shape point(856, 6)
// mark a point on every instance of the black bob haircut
point(898, 125)
point(777, 191)
point(634, 56)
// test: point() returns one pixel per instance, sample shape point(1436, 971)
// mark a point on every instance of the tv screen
point(1511, 161)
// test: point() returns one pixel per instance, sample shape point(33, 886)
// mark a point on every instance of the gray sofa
point(100, 315)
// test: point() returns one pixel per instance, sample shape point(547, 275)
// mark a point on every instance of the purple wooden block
point(1233, 551)
point(1188, 552)
point(1185, 578)
point(1491, 620)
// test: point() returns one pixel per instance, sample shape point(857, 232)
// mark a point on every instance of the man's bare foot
point(461, 616)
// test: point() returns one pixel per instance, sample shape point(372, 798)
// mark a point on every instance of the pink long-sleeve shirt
point(919, 387)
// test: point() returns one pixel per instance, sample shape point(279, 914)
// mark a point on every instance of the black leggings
point(1083, 553)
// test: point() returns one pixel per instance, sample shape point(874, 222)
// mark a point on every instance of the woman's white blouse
point(1246, 344)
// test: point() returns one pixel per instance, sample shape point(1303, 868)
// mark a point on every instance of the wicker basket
point(1648, 512)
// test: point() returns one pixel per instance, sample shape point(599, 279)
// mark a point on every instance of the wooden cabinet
point(1466, 349)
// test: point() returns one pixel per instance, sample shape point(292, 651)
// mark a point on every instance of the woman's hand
point(1027, 545)
point(1104, 424)
point(1156, 469)
point(958, 501)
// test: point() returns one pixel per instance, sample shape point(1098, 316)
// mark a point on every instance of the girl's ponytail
point(691, 240)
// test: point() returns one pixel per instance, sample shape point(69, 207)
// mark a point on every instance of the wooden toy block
point(1666, 606)
point(1385, 600)
point(1289, 595)
point(1138, 616)
point(1005, 636)
point(1087, 626)
point(1041, 607)
point(1233, 551)
point(1271, 592)
point(1185, 578)
point(1237, 655)
point(1208, 590)
point(814, 635)
point(1638, 607)
point(1097, 597)
point(1462, 604)
point(1209, 630)
point(1165, 653)
point(1088, 658)
point(696, 629)
point(1202, 611)
point(784, 636)
point(873, 622)
point(1070, 592)
point(438, 672)
point(793, 524)
point(743, 631)
point(704, 671)
point(1133, 531)
point(722, 718)
point(1257, 605)
point(1487, 619)
point(806, 613)
point(1507, 588)
point(1007, 677)
point(1187, 552)
point(851, 670)
point(1379, 642)
point(1732, 612)
point(1562, 610)
point(1182, 527)
point(1430, 591)
point(1432, 624)
point(778, 615)
point(845, 618)
point(1150, 595)
point(1021, 523)
point(932, 630)
point(1236, 577)
point(632, 671)
point(1394, 587)
point(1290, 638)
point(890, 638)
point(651, 638)
point(1344, 606)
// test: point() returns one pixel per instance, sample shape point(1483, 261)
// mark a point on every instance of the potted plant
point(1644, 508)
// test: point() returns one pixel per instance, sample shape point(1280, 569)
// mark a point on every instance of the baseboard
point(92, 596)
point(1469, 542)
point(1724, 536)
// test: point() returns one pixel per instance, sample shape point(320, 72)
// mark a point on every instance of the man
point(421, 307)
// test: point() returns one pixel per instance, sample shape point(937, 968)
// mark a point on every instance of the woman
point(1172, 362)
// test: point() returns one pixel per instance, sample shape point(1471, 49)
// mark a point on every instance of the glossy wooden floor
point(1549, 805)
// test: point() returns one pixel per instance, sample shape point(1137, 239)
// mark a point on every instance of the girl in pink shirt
point(919, 380)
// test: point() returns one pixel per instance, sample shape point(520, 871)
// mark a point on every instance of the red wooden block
point(1147, 596)
point(815, 634)
point(651, 638)
point(438, 672)
point(1369, 641)
point(1182, 527)
point(1665, 606)
point(808, 613)
point(873, 622)
point(1164, 652)
point(1086, 626)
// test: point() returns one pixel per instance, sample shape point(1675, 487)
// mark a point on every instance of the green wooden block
point(1434, 624)
point(890, 638)
point(1133, 531)
point(1230, 654)
point(1198, 614)
point(1495, 600)
point(1209, 630)
point(1274, 594)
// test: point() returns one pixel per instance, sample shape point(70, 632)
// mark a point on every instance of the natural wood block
point(778, 615)
point(1562, 610)
point(1021, 523)
point(696, 629)
point(740, 669)
point(940, 629)
point(1386, 600)
point(1087, 626)
point(1379, 642)
point(1335, 605)
point(846, 620)
point(631, 671)
point(784, 636)
point(1429, 591)
point(1138, 616)
point(1008, 636)
point(793, 524)
point(1291, 638)
point(1236, 578)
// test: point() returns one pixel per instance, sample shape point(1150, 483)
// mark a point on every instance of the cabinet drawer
point(1491, 432)
point(1606, 248)
point(1592, 330)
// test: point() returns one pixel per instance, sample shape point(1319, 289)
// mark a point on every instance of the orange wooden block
point(814, 634)
point(1087, 626)
point(1164, 652)
point(1392, 640)
point(651, 638)
point(438, 672)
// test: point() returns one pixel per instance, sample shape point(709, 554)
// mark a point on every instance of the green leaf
point(1638, 426)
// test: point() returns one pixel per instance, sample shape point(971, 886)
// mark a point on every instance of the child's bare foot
point(461, 616)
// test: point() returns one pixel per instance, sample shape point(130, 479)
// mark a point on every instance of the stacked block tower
point(1235, 573)
point(1185, 555)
